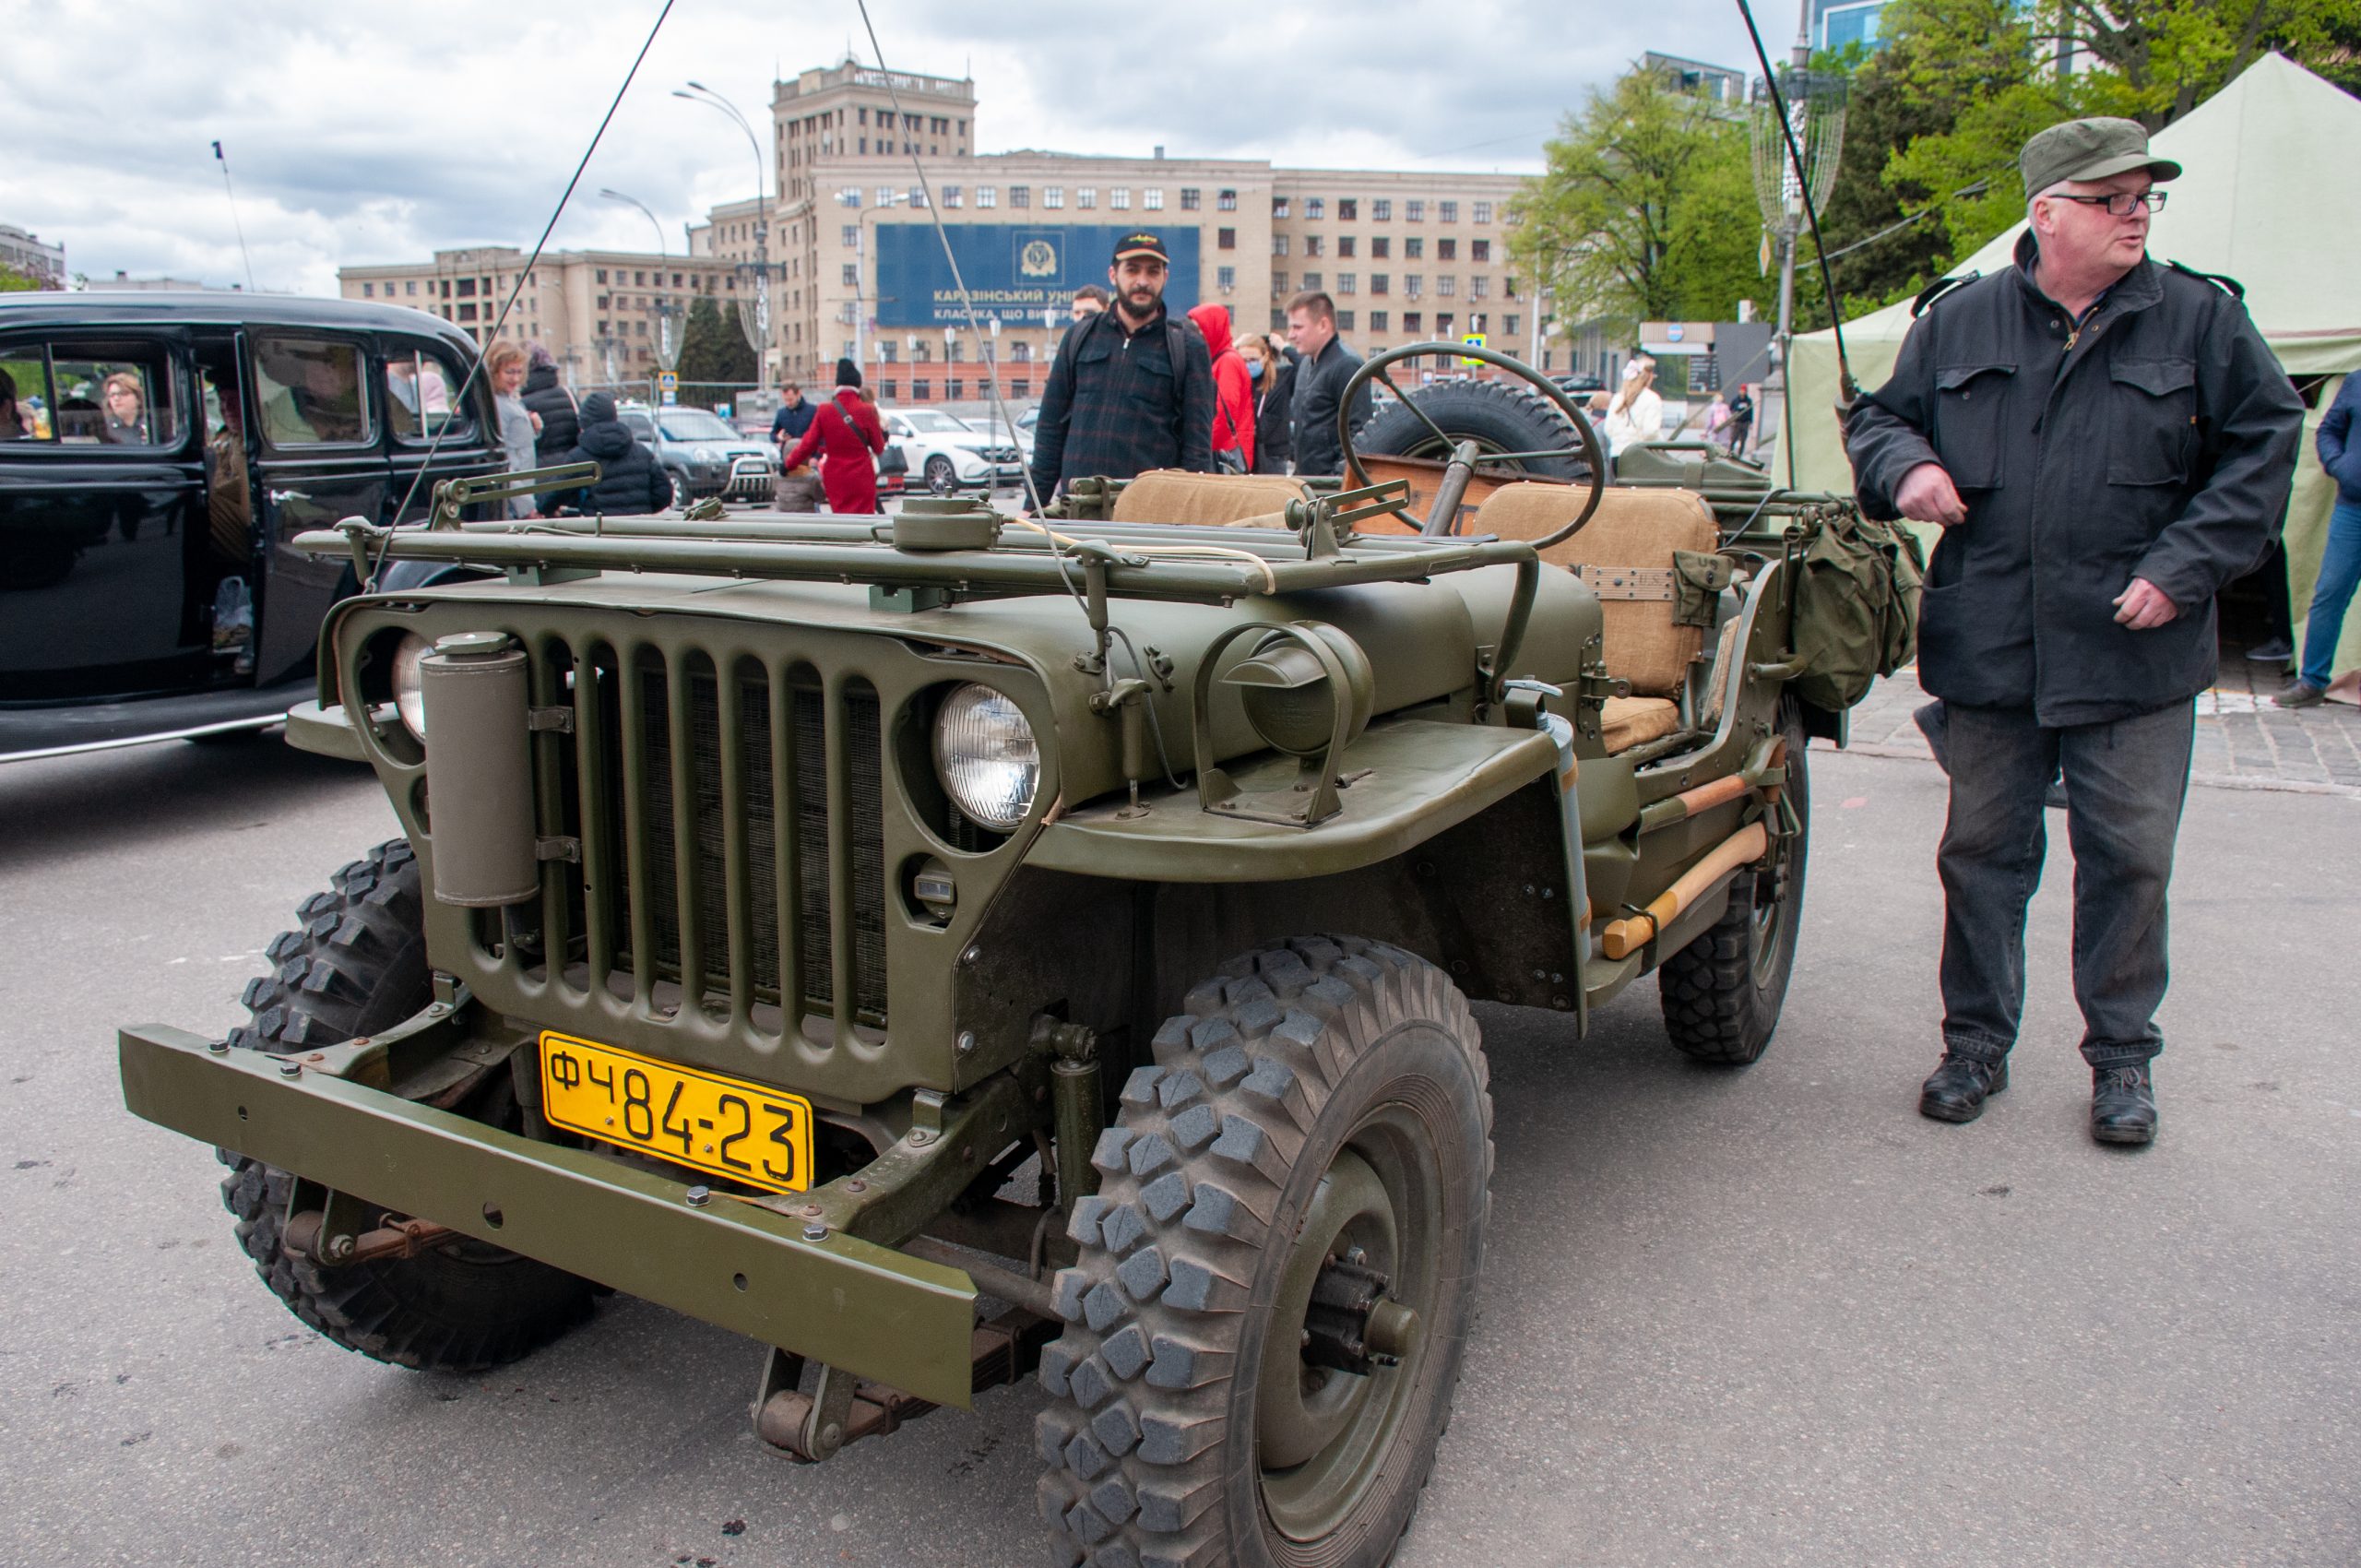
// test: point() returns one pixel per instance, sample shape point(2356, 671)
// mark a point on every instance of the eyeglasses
point(2122, 204)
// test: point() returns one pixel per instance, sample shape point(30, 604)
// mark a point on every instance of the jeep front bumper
point(876, 1312)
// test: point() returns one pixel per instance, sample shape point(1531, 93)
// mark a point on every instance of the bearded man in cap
point(1131, 387)
point(2105, 441)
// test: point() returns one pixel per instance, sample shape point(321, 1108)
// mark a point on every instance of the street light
point(668, 345)
point(859, 309)
point(754, 322)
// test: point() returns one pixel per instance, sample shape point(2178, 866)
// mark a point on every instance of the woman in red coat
point(846, 434)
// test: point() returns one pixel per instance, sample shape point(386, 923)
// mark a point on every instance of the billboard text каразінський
point(1014, 270)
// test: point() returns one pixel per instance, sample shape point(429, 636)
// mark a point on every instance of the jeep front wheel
point(1278, 1279)
point(358, 965)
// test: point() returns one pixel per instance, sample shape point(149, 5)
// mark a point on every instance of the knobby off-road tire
point(358, 965)
point(1498, 416)
point(1329, 1079)
point(1722, 992)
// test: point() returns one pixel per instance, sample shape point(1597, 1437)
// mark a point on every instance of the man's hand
point(1926, 495)
point(2143, 606)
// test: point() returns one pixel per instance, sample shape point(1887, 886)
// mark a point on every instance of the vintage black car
point(157, 453)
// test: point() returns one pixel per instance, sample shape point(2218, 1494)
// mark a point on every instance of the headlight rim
point(958, 795)
point(409, 701)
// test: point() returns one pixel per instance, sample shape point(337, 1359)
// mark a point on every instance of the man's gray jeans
point(2125, 783)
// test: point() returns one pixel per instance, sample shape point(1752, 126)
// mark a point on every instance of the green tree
point(713, 349)
point(1646, 211)
point(17, 282)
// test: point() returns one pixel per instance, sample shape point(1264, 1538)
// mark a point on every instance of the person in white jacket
point(1637, 412)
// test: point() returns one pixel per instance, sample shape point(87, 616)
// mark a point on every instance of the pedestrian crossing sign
point(1473, 341)
point(668, 386)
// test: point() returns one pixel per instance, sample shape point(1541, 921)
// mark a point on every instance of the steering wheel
point(1594, 454)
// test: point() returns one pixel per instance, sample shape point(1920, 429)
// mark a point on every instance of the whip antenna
point(223, 159)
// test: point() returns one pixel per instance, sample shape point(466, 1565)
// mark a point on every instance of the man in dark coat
point(2105, 441)
point(556, 422)
point(1131, 388)
point(1320, 378)
point(631, 481)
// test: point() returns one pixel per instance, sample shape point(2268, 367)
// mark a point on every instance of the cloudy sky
point(372, 133)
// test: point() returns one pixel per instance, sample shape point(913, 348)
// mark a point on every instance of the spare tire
point(1498, 416)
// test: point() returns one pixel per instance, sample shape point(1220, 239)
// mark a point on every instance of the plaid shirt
point(1115, 406)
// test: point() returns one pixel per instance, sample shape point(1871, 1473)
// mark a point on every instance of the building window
point(850, 237)
point(602, 302)
point(638, 280)
point(1410, 320)
point(950, 196)
point(1414, 249)
point(921, 388)
point(864, 143)
point(1446, 285)
point(1414, 285)
point(1227, 201)
point(1153, 198)
point(1483, 212)
point(954, 388)
point(1480, 288)
point(1020, 353)
point(1513, 325)
point(1315, 208)
point(1020, 196)
point(1278, 245)
point(1447, 212)
point(1225, 239)
point(410, 286)
point(1348, 282)
point(1278, 207)
point(602, 278)
point(885, 348)
point(467, 311)
point(368, 290)
point(1087, 199)
point(848, 197)
point(1311, 280)
point(888, 390)
point(1192, 198)
point(1313, 244)
point(1348, 210)
point(1278, 319)
point(885, 195)
point(1381, 209)
point(1053, 195)
point(1279, 283)
point(1380, 247)
point(917, 196)
point(1479, 250)
point(1120, 198)
point(1225, 277)
point(1344, 244)
point(852, 275)
point(1446, 250)
point(1442, 324)
point(1380, 282)
point(987, 196)
point(1414, 211)
point(1376, 321)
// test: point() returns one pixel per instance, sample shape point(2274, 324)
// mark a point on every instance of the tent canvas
point(2260, 199)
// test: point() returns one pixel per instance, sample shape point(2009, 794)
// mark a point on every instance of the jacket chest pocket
point(1150, 381)
point(2152, 420)
point(1971, 403)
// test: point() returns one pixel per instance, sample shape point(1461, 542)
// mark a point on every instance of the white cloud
point(372, 133)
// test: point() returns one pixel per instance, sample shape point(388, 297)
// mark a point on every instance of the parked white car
point(947, 452)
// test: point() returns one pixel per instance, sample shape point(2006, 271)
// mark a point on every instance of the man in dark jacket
point(2105, 443)
point(1131, 388)
point(556, 419)
point(1320, 378)
point(631, 481)
point(2340, 455)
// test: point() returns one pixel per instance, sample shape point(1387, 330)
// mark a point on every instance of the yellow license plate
point(739, 1131)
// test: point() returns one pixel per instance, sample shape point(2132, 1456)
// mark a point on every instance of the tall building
point(1836, 23)
point(25, 255)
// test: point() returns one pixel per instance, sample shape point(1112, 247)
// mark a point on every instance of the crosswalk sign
point(668, 386)
point(1473, 341)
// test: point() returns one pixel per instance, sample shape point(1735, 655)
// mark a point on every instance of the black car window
point(90, 395)
point(311, 393)
point(422, 396)
point(25, 401)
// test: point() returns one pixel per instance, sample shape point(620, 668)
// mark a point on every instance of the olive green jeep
point(939, 946)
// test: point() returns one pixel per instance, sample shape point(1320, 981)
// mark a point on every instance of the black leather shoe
point(1959, 1087)
point(2123, 1104)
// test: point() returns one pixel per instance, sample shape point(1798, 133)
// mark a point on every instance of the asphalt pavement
point(1757, 1317)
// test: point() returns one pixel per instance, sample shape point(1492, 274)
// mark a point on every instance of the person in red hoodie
point(846, 434)
point(1233, 393)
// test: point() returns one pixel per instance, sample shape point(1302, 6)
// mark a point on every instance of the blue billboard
point(1013, 270)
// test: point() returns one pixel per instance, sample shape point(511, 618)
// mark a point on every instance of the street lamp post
point(668, 343)
point(859, 248)
point(758, 330)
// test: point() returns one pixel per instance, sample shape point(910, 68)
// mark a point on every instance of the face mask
point(1254, 370)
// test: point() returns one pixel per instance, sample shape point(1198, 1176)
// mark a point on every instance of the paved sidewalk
point(2243, 742)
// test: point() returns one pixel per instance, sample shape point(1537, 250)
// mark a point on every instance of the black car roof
point(212, 308)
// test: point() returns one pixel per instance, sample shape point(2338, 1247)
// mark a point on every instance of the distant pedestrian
point(551, 404)
point(1273, 374)
point(796, 488)
point(2339, 448)
point(1717, 424)
point(1233, 431)
point(1131, 389)
point(846, 436)
point(503, 365)
point(631, 481)
point(2105, 442)
point(1088, 301)
point(1636, 411)
point(1319, 380)
point(1741, 420)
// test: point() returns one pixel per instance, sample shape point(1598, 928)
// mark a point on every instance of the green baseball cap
point(2089, 149)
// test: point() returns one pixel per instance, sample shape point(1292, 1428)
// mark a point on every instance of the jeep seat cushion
point(1635, 722)
point(1177, 495)
point(1631, 528)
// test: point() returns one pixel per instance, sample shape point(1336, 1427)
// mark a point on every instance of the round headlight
point(986, 757)
point(409, 683)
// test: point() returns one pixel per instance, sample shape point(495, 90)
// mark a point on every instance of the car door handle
point(279, 495)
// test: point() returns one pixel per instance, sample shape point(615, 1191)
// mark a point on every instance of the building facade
point(24, 255)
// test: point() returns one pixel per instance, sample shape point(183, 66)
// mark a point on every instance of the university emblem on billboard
point(1038, 258)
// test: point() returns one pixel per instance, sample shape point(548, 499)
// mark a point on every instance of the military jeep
point(940, 946)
